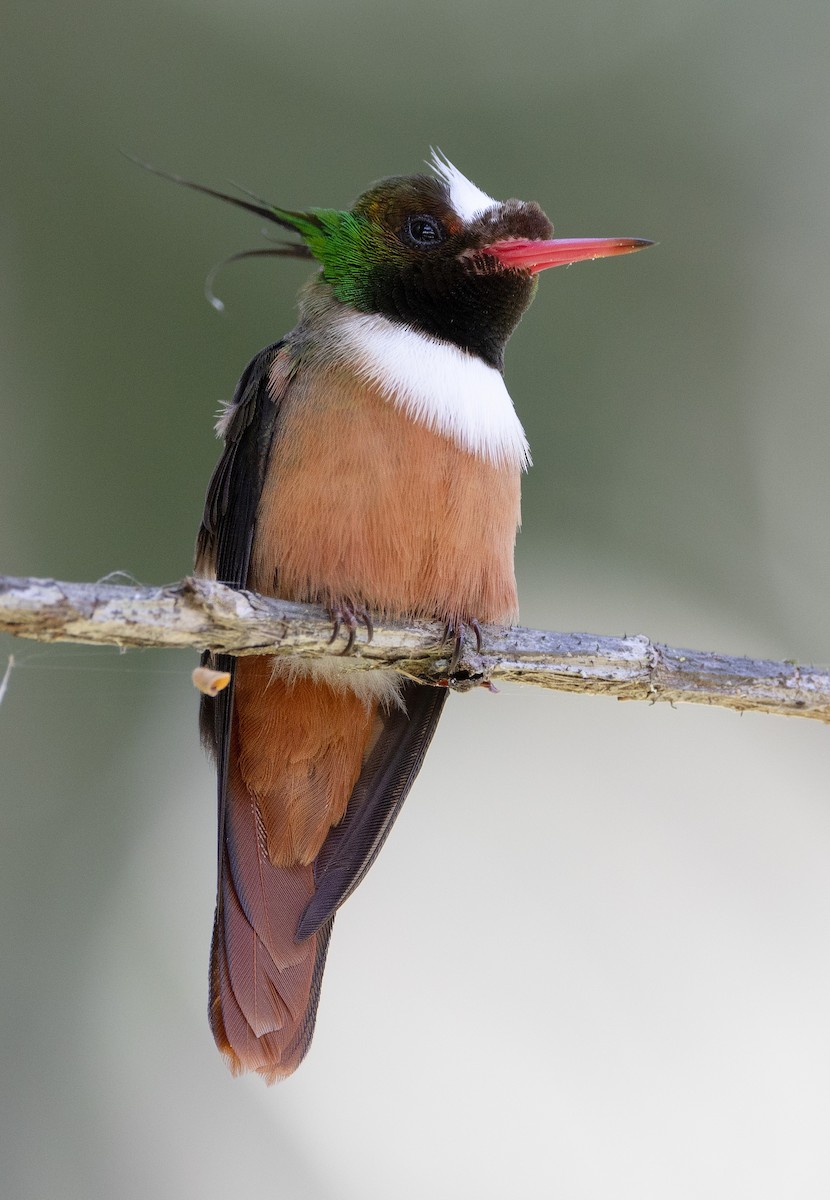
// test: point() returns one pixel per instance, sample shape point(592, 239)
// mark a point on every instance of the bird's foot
point(348, 616)
point(454, 632)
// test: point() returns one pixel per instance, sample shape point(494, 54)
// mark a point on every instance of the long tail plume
point(283, 250)
point(280, 216)
point(254, 204)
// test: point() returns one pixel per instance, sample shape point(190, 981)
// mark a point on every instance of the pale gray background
point(594, 958)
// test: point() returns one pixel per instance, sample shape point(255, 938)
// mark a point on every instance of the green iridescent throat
point(345, 244)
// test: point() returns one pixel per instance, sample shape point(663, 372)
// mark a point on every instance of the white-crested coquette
point(372, 464)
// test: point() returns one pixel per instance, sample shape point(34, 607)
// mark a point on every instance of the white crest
point(467, 200)
point(453, 393)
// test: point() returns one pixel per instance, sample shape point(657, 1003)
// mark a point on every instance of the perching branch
point(200, 614)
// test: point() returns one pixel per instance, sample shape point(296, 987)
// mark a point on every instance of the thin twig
point(200, 614)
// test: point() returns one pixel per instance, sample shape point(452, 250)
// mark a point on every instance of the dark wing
point(223, 546)
point(382, 786)
point(223, 550)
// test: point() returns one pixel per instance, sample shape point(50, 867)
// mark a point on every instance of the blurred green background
point(593, 958)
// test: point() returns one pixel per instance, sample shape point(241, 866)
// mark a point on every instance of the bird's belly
point(361, 504)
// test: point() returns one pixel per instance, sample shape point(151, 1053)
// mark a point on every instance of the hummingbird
point(372, 464)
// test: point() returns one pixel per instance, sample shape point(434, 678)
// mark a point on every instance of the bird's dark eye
point(423, 232)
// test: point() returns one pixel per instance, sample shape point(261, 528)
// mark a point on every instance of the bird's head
point(434, 252)
point(437, 253)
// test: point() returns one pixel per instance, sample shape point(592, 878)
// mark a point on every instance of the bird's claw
point(349, 616)
point(454, 632)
